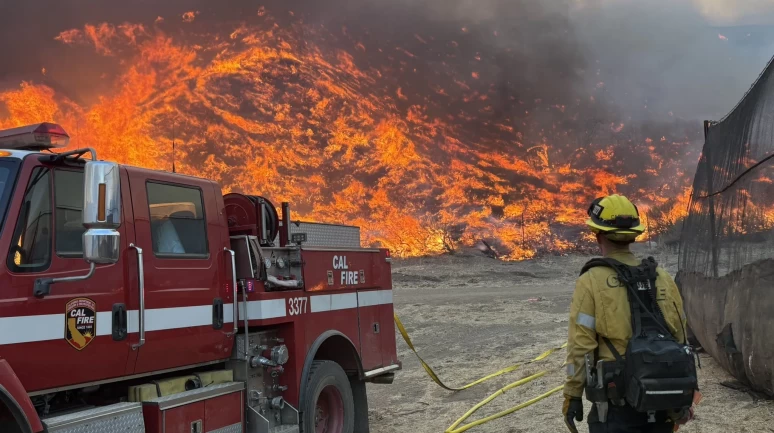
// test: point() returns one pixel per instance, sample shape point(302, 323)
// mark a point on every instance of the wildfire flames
point(418, 144)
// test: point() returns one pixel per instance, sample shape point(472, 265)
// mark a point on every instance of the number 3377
point(297, 306)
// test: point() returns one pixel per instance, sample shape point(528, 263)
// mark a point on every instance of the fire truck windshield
point(8, 169)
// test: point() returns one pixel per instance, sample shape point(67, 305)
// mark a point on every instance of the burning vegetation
point(428, 141)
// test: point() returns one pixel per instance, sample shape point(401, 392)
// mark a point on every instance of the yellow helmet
point(616, 217)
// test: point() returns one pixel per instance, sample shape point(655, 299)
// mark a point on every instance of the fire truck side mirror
point(101, 212)
point(101, 217)
point(102, 195)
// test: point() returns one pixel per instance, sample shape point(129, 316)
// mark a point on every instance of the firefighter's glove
point(573, 411)
point(684, 416)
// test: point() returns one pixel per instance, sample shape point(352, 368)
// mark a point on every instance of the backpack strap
point(650, 268)
point(612, 348)
point(645, 275)
point(614, 264)
point(597, 262)
point(630, 276)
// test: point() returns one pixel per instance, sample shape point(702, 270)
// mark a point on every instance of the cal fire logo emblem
point(80, 322)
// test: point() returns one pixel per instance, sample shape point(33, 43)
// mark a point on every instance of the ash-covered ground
point(469, 316)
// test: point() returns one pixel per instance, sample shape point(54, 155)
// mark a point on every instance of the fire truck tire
point(12, 419)
point(329, 405)
point(7, 426)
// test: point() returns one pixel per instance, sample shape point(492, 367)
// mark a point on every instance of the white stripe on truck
point(377, 297)
point(341, 301)
point(45, 327)
point(257, 310)
point(31, 328)
point(160, 319)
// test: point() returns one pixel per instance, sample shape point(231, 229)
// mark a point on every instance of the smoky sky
point(647, 60)
point(653, 60)
point(668, 56)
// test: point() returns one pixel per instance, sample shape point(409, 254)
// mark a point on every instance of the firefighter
point(600, 309)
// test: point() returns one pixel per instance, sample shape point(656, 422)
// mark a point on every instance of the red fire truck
point(140, 301)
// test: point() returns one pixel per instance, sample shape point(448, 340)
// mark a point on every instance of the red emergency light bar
point(34, 137)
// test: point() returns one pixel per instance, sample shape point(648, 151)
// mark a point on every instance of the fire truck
point(141, 301)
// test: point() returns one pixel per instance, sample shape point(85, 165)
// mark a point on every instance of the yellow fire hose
point(455, 427)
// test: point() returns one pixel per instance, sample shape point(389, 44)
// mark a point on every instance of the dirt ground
point(469, 316)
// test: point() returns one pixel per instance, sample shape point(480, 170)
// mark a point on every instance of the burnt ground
point(469, 316)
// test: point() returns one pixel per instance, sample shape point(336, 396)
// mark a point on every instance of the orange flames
point(262, 109)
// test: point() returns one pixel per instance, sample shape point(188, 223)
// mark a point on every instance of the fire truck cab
point(141, 301)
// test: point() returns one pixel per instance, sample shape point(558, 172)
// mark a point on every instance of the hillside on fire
point(431, 134)
point(445, 175)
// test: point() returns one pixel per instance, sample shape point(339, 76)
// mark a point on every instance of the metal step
point(116, 418)
point(284, 429)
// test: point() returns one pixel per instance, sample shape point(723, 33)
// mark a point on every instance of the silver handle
point(142, 297)
point(234, 288)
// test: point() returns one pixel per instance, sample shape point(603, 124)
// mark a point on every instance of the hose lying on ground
point(455, 427)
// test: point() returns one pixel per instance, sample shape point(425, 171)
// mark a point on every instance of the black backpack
point(658, 373)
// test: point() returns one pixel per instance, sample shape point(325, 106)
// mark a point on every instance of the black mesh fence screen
point(727, 242)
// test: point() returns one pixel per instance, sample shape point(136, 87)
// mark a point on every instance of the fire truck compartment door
point(369, 315)
point(215, 408)
point(178, 227)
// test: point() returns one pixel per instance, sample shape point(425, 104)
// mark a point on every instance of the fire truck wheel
point(9, 427)
point(329, 407)
point(7, 422)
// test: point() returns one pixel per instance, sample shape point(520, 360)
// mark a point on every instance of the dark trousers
point(624, 419)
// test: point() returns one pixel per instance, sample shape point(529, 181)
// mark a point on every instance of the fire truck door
point(178, 229)
point(77, 328)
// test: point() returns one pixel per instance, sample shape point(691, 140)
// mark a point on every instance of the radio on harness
point(658, 373)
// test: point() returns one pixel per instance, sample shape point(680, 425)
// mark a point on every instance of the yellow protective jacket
point(600, 308)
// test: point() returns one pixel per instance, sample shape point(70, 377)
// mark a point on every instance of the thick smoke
point(654, 60)
point(727, 13)
point(672, 56)
point(649, 58)
point(498, 113)
point(540, 67)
